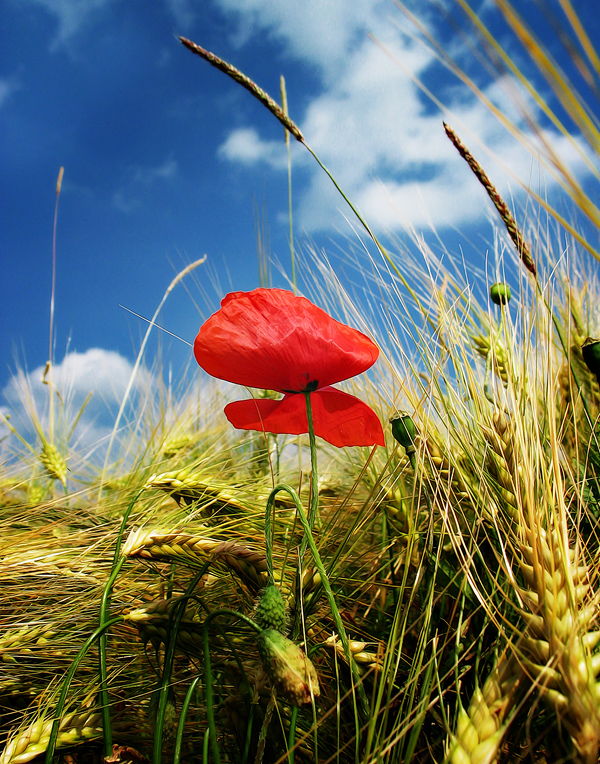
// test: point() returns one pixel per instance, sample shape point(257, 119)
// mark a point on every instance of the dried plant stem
point(498, 201)
point(284, 106)
point(138, 361)
point(279, 113)
point(247, 83)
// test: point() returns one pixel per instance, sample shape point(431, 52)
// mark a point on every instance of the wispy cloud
point(372, 125)
point(147, 175)
point(75, 16)
point(8, 86)
point(72, 16)
point(244, 145)
point(182, 12)
point(127, 197)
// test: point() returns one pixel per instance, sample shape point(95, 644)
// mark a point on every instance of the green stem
point(182, 718)
point(357, 683)
point(210, 712)
point(172, 631)
point(314, 494)
point(292, 735)
point(117, 564)
point(67, 682)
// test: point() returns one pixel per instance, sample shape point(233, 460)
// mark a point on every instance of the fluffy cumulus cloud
point(89, 388)
point(373, 126)
point(103, 374)
point(247, 147)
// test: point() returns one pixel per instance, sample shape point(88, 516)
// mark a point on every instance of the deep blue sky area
point(167, 160)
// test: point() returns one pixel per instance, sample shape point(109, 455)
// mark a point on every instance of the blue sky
point(166, 159)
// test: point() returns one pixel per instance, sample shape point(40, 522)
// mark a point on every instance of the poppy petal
point(339, 418)
point(275, 340)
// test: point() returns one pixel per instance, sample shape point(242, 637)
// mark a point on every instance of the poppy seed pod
point(270, 613)
point(404, 430)
point(292, 673)
point(591, 355)
point(500, 293)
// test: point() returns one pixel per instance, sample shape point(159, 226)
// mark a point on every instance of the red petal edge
point(339, 418)
point(276, 340)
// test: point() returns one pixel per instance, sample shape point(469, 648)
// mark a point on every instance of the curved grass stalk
point(67, 682)
point(210, 715)
point(182, 274)
point(175, 618)
point(104, 607)
point(357, 682)
point(182, 718)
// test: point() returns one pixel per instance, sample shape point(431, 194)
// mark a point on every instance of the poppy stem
point(314, 492)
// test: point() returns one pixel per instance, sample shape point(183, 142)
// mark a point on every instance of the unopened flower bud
point(270, 613)
point(500, 293)
point(591, 355)
point(403, 429)
point(292, 673)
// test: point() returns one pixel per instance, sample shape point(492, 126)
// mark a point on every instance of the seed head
point(292, 673)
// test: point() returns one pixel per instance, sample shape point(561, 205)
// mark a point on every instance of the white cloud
point(103, 373)
point(372, 126)
point(8, 86)
point(147, 175)
point(72, 16)
point(127, 197)
point(315, 32)
point(182, 12)
point(244, 145)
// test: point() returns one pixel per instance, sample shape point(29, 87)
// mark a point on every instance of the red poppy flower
point(274, 340)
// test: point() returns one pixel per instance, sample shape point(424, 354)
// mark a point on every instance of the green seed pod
point(500, 293)
point(292, 673)
point(591, 355)
point(404, 430)
point(270, 613)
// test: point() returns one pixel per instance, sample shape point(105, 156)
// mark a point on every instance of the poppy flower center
point(310, 388)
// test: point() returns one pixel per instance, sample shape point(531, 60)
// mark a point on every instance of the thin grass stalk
point(102, 644)
point(52, 296)
point(284, 106)
point(175, 618)
point(208, 673)
point(102, 658)
point(138, 361)
point(182, 719)
point(67, 682)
